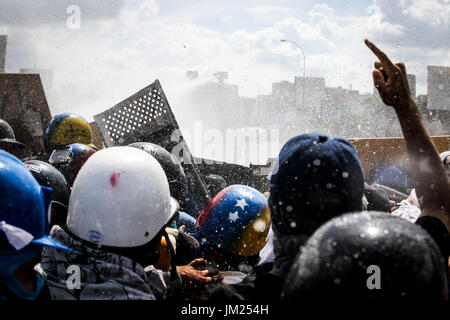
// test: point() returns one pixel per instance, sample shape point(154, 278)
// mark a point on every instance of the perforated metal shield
point(147, 116)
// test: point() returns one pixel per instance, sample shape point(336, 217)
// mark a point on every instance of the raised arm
point(430, 178)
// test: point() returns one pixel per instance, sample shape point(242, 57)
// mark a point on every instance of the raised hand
point(431, 183)
point(390, 79)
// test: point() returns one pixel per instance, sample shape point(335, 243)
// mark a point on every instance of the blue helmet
point(24, 206)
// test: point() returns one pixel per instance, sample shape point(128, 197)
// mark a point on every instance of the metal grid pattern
point(147, 116)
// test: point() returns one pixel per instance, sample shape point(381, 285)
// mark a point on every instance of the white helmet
point(120, 198)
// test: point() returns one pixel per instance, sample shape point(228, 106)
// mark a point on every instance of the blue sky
point(122, 46)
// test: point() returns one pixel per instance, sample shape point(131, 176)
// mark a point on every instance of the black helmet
point(171, 166)
point(7, 134)
point(368, 255)
point(48, 176)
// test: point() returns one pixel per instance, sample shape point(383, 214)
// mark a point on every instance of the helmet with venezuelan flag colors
point(237, 219)
point(67, 128)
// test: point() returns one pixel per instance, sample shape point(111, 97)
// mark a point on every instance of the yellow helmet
point(65, 129)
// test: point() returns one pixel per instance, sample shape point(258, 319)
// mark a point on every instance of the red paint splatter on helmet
point(114, 179)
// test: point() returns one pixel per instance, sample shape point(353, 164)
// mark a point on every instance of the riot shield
point(24, 106)
point(147, 116)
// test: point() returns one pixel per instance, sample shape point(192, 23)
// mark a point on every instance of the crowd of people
point(120, 223)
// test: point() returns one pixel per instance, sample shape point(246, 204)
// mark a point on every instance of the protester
point(412, 264)
point(114, 225)
point(368, 256)
point(430, 181)
point(318, 177)
point(23, 230)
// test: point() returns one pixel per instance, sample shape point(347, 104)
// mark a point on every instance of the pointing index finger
point(381, 55)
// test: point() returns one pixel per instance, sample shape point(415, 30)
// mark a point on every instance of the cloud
point(412, 23)
point(264, 10)
point(123, 46)
point(32, 13)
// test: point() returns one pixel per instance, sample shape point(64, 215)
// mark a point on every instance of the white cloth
point(408, 209)
point(17, 237)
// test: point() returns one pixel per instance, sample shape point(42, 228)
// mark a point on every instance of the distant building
point(438, 88)
point(264, 109)
point(192, 74)
point(412, 83)
point(307, 104)
point(3, 42)
point(338, 98)
point(221, 76)
point(248, 111)
point(217, 104)
point(283, 94)
point(313, 89)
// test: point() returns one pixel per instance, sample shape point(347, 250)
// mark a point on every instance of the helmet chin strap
point(173, 269)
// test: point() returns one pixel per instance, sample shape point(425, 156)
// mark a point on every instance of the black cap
point(316, 177)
